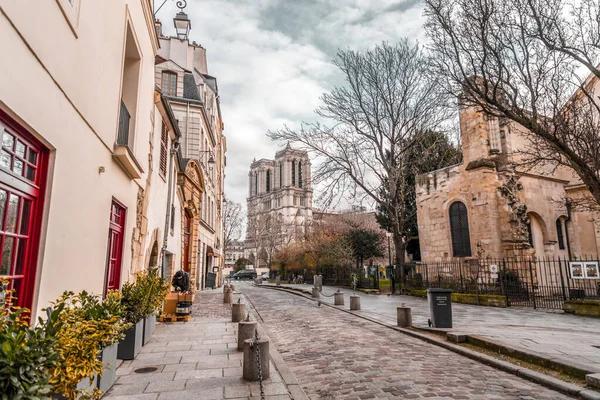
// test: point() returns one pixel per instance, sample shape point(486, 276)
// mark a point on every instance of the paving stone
point(335, 355)
point(165, 386)
point(199, 374)
point(127, 388)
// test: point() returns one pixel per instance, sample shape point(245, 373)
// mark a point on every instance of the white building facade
point(182, 75)
point(76, 107)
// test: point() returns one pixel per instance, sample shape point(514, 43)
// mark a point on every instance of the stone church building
point(279, 203)
point(462, 212)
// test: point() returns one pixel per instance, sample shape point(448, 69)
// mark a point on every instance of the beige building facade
point(279, 203)
point(181, 73)
point(76, 116)
point(472, 210)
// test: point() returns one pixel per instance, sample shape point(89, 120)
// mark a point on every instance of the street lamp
point(211, 158)
point(182, 25)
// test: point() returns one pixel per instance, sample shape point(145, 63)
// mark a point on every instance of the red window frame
point(114, 252)
point(23, 175)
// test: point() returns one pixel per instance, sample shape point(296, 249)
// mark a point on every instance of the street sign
point(494, 271)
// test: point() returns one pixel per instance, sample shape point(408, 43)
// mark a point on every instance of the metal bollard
point(238, 312)
point(404, 316)
point(250, 371)
point(338, 299)
point(246, 330)
point(355, 303)
point(227, 295)
point(315, 293)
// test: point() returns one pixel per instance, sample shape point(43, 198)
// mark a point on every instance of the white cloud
point(272, 61)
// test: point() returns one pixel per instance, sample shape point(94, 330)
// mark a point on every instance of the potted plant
point(154, 291)
point(88, 326)
point(135, 307)
point(27, 353)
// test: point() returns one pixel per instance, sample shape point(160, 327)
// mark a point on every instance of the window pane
point(5, 159)
point(32, 156)
point(13, 210)
point(30, 173)
point(2, 205)
point(8, 140)
point(25, 213)
point(7, 256)
point(20, 149)
point(21, 245)
point(18, 167)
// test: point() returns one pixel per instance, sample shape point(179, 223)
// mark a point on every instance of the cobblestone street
point(338, 356)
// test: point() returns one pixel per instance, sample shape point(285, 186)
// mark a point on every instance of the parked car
point(245, 274)
point(265, 276)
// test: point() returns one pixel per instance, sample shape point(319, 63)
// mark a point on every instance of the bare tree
point(389, 97)
point(526, 61)
point(233, 218)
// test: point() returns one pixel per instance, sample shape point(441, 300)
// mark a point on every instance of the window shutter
point(164, 146)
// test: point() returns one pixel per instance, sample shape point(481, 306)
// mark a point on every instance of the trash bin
point(440, 307)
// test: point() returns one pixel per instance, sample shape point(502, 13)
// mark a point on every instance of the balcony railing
point(124, 118)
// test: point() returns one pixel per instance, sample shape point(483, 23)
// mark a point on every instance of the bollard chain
point(260, 377)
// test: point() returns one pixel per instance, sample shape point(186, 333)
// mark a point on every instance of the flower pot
point(131, 344)
point(109, 367)
point(149, 325)
point(85, 384)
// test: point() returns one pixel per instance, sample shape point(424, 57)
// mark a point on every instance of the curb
point(290, 381)
point(525, 373)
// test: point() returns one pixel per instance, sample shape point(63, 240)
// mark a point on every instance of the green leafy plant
point(27, 353)
point(87, 323)
point(153, 291)
point(133, 301)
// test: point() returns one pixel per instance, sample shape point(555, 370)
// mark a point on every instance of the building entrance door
point(23, 164)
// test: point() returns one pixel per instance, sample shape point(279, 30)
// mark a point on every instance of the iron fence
point(522, 281)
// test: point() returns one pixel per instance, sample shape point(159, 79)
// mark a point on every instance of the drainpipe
point(568, 204)
point(174, 146)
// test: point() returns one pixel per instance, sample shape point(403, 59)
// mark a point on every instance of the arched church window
point(559, 234)
point(293, 172)
point(280, 175)
point(255, 183)
point(268, 180)
point(300, 174)
point(459, 229)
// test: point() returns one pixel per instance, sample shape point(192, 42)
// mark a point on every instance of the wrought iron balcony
point(124, 119)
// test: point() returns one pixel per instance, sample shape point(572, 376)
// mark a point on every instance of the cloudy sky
point(272, 59)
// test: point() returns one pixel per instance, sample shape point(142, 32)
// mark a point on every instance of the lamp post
point(182, 25)
point(211, 159)
point(389, 235)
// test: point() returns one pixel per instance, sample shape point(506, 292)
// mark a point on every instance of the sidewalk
point(194, 360)
point(568, 339)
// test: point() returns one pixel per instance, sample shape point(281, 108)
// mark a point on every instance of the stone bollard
point(278, 281)
point(354, 303)
point(246, 330)
point(315, 293)
point(250, 366)
point(238, 312)
point(404, 315)
point(338, 299)
point(232, 287)
point(318, 282)
point(227, 295)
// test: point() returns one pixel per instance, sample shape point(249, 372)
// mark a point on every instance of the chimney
point(158, 27)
